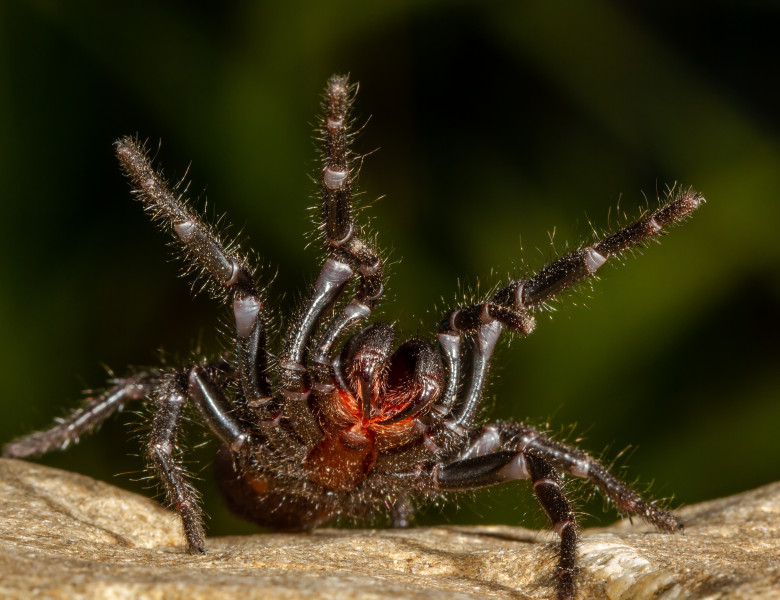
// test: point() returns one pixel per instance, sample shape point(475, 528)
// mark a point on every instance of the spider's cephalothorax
point(345, 423)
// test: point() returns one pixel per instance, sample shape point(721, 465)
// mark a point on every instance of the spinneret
point(352, 423)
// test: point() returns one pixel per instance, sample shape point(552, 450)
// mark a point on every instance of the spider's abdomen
point(267, 500)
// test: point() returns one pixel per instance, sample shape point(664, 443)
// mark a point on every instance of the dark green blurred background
point(497, 123)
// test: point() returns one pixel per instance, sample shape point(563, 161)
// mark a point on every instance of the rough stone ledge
point(63, 535)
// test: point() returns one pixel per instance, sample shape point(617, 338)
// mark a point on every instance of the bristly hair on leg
point(219, 264)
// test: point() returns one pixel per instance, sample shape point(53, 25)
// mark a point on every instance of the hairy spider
point(336, 425)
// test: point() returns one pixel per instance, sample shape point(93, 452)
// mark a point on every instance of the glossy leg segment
point(485, 341)
point(461, 399)
point(202, 244)
point(85, 419)
point(354, 312)
point(343, 239)
point(485, 321)
point(216, 409)
point(295, 379)
point(349, 254)
point(449, 348)
point(217, 261)
point(480, 471)
point(508, 465)
point(547, 487)
point(506, 451)
point(327, 288)
point(251, 352)
point(322, 364)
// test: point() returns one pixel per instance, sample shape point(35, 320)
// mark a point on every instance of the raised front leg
point(572, 268)
point(350, 254)
point(223, 269)
point(509, 307)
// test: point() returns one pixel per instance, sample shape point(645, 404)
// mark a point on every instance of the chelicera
point(341, 421)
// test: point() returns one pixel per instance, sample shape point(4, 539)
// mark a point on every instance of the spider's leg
point(295, 383)
point(486, 321)
point(343, 238)
point(162, 451)
point(572, 268)
point(198, 385)
point(576, 462)
point(507, 435)
point(220, 263)
point(216, 409)
point(84, 419)
point(508, 308)
point(508, 465)
point(547, 487)
point(349, 253)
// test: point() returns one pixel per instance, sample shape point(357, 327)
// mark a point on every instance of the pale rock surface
point(63, 535)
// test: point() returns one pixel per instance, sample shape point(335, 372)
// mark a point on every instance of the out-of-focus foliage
point(498, 123)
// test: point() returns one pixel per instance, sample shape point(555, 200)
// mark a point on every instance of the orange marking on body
point(258, 484)
point(341, 462)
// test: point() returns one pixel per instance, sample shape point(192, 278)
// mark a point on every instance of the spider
point(341, 421)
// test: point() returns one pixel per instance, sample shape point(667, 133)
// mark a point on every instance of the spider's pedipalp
point(354, 312)
point(449, 347)
point(485, 340)
point(485, 321)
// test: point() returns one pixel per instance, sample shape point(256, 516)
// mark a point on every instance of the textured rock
point(63, 535)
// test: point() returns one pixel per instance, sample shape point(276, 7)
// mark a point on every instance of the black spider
point(325, 428)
